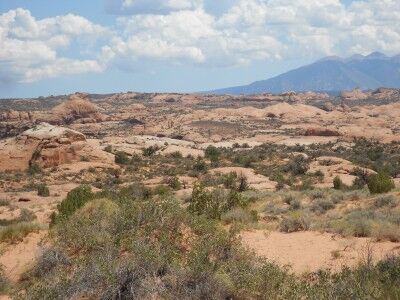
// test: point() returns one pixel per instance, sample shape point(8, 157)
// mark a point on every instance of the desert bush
point(121, 158)
point(200, 165)
point(150, 151)
point(155, 249)
point(243, 185)
point(108, 149)
point(292, 201)
point(4, 202)
point(317, 194)
point(212, 153)
point(322, 205)
point(338, 183)
point(213, 203)
point(75, 199)
point(384, 231)
point(380, 183)
point(4, 283)
point(16, 232)
point(239, 215)
point(174, 183)
point(299, 165)
point(43, 190)
point(386, 201)
point(161, 190)
point(34, 169)
point(296, 221)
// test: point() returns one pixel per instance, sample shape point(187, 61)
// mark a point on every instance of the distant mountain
point(330, 74)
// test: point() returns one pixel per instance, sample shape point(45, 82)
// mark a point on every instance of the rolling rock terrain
point(300, 161)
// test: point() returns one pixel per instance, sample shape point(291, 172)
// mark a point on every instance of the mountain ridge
point(329, 74)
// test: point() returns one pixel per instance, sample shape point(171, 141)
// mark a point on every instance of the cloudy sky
point(57, 47)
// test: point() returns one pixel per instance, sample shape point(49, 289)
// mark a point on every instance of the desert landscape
point(201, 196)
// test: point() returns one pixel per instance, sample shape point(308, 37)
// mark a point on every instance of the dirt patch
point(18, 258)
point(310, 251)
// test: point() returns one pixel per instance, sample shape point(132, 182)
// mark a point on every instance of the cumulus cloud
point(29, 47)
point(198, 32)
point(251, 30)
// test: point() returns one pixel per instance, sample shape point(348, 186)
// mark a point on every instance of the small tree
point(380, 183)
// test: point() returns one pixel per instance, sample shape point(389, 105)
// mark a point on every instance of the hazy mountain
point(330, 74)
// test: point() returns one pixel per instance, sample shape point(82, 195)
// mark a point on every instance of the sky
point(50, 47)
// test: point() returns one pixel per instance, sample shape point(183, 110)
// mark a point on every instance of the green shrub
point(299, 165)
point(121, 158)
point(34, 169)
point(338, 183)
point(75, 199)
point(108, 149)
point(212, 153)
point(150, 151)
point(174, 183)
point(43, 190)
point(380, 183)
point(296, 221)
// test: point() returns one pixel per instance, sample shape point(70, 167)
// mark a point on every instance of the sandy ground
point(18, 258)
point(311, 251)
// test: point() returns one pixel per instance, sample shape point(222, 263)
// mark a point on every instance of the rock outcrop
point(47, 146)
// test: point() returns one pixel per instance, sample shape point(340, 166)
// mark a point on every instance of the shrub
point(322, 205)
point(121, 158)
point(150, 151)
point(294, 222)
point(16, 232)
point(108, 149)
point(239, 215)
point(386, 232)
point(4, 202)
point(299, 165)
point(34, 169)
point(388, 201)
point(43, 190)
point(212, 153)
point(243, 184)
point(380, 183)
point(75, 199)
point(338, 183)
point(174, 183)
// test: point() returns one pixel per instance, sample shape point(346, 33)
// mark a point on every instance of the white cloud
point(252, 30)
point(190, 32)
point(29, 47)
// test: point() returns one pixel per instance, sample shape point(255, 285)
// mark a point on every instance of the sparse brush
point(386, 201)
point(16, 232)
point(296, 221)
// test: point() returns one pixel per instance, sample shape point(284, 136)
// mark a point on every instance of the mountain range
point(330, 74)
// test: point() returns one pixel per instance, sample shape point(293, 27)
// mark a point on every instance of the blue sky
point(52, 47)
